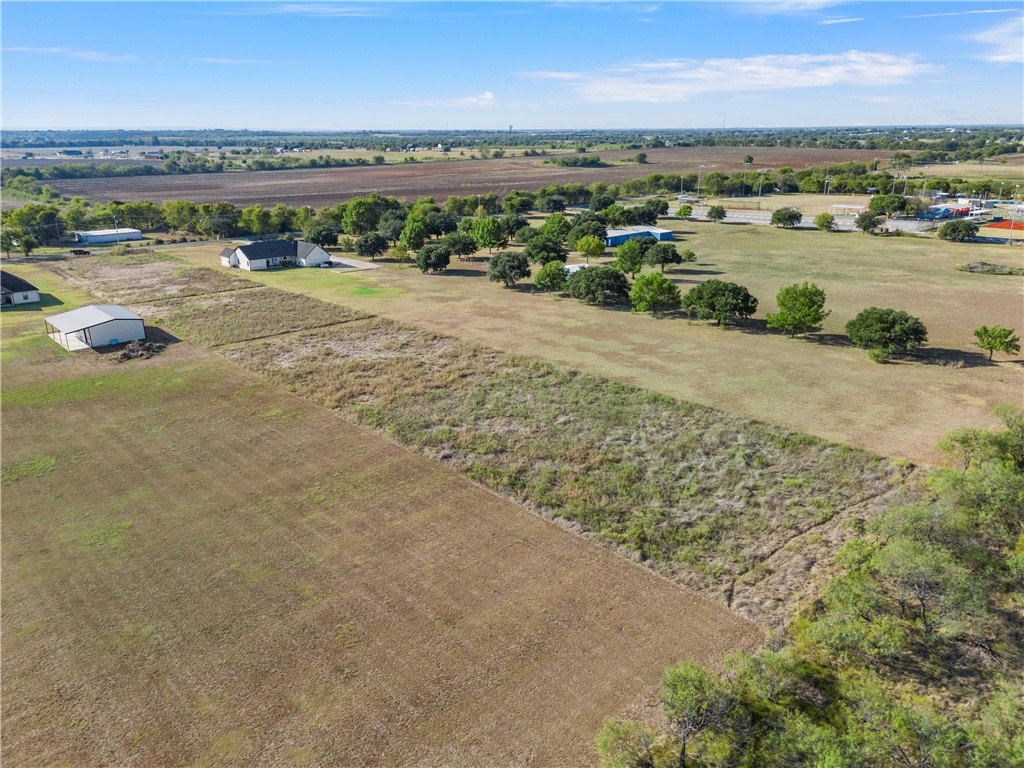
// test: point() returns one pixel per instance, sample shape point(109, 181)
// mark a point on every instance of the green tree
point(282, 218)
point(998, 339)
point(434, 257)
point(414, 233)
point(640, 158)
point(507, 267)
point(523, 235)
point(625, 744)
point(684, 212)
point(663, 254)
point(886, 205)
point(400, 253)
point(826, 222)
point(7, 239)
point(598, 285)
point(256, 220)
point(653, 292)
point(556, 226)
point(320, 233)
point(390, 226)
point(361, 216)
point(490, 233)
point(801, 309)
point(958, 230)
point(590, 247)
point(787, 218)
point(27, 243)
point(371, 245)
point(583, 227)
point(868, 221)
point(716, 213)
point(218, 219)
point(551, 277)
point(629, 257)
point(693, 701)
point(887, 331)
point(460, 243)
point(543, 249)
point(719, 301)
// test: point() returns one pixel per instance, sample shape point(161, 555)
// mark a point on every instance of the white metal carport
point(97, 325)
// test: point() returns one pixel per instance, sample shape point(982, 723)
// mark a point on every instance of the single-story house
point(97, 325)
point(272, 254)
point(619, 236)
point(1001, 231)
point(94, 236)
point(16, 290)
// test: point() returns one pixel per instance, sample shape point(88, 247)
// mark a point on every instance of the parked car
point(79, 252)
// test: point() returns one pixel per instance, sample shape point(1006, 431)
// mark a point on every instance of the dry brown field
point(200, 569)
point(819, 385)
point(409, 181)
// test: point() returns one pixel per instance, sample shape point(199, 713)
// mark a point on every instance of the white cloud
point(207, 60)
point(839, 21)
point(322, 10)
point(957, 13)
point(783, 7)
point(674, 80)
point(76, 54)
point(1005, 41)
point(485, 99)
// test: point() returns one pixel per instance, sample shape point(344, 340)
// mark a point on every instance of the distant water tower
point(510, 129)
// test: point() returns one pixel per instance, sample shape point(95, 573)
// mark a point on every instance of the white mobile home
point(97, 325)
point(274, 254)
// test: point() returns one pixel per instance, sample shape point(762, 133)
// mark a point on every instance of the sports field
point(200, 569)
point(819, 384)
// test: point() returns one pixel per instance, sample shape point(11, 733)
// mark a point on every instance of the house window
point(24, 297)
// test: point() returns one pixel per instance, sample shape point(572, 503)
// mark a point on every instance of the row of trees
point(874, 673)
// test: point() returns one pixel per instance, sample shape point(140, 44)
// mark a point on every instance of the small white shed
point(97, 325)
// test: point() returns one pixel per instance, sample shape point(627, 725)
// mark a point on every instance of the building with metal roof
point(16, 290)
point(97, 325)
point(121, 235)
point(619, 236)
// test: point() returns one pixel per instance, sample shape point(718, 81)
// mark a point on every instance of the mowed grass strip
point(706, 497)
point(146, 276)
point(222, 574)
point(227, 318)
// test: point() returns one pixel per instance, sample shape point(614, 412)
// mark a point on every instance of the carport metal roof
point(87, 317)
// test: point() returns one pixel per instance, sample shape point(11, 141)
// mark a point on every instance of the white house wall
point(24, 297)
point(121, 330)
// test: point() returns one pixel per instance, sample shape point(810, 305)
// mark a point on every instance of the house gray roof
point(276, 249)
point(15, 284)
point(87, 317)
point(227, 252)
point(268, 249)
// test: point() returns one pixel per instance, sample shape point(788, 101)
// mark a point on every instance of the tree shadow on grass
point(952, 358)
point(461, 273)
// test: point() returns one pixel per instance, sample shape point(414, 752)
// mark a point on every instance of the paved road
point(843, 223)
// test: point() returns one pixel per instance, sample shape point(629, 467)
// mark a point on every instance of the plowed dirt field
point(410, 181)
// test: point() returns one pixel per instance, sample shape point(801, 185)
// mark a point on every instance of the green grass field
point(818, 384)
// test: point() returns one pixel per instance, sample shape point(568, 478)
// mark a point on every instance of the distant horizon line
point(524, 130)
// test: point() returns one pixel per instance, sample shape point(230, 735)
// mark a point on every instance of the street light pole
point(699, 170)
point(760, 184)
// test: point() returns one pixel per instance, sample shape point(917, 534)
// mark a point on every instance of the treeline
point(939, 144)
point(911, 657)
point(182, 162)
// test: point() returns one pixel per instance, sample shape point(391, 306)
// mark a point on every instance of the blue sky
point(364, 65)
